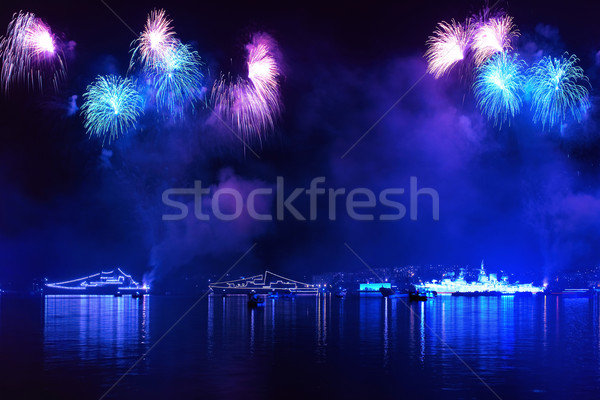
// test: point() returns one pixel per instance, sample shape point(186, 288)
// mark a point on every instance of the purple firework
point(252, 104)
point(30, 53)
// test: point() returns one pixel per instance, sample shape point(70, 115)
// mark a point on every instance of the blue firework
point(177, 79)
point(557, 87)
point(499, 87)
point(112, 106)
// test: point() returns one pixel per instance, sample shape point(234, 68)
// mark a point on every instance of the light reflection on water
point(522, 347)
point(107, 330)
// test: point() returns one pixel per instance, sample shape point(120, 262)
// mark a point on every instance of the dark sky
point(522, 198)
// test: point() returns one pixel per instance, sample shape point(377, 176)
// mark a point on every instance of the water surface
point(78, 347)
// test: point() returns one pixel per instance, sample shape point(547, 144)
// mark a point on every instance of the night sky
point(524, 199)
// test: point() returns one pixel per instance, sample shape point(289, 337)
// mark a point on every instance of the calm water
point(77, 347)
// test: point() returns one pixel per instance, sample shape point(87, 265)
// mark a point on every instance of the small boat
point(118, 294)
point(137, 296)
point(254, 300)
point(417, 296)
point(574, 293)
point(386, 292)
point(341, 293)
point(392, 293)
point(282, 293)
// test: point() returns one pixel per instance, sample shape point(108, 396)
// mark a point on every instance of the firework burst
point(30, 53)
point(447, 46)
point(253, 104)
point(492, 37)
point(156, 42)
point(499, 87)
point(555, 88)
point(177, 80)
point(172, 68)
point(112, 106)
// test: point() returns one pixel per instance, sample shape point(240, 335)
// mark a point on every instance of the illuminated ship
point(485, 284)
point(115, 282)
point(267, 283)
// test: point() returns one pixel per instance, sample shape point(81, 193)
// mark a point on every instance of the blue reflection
point(321, 315)
point(105, 330)
point(552, 344)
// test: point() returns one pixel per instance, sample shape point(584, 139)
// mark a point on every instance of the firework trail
point(492, 37)
point(30, 53)
point(499, 87)
point(554, 87)
point(447, 46)
point(112, 106)
point(253, 104)
point(156, 42)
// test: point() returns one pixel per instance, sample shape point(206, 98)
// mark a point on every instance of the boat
point(392, 293)
point(387, 292)
point(254, 300)
point(115, 282)
point(418, 293)
point(577, 293)
point(282, 293)
point(341, 293)
point(264, 284)
point(485, 285)
point(417, 296)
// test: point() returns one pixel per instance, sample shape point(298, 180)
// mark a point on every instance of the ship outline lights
point(261, 284)
point(113, 281)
